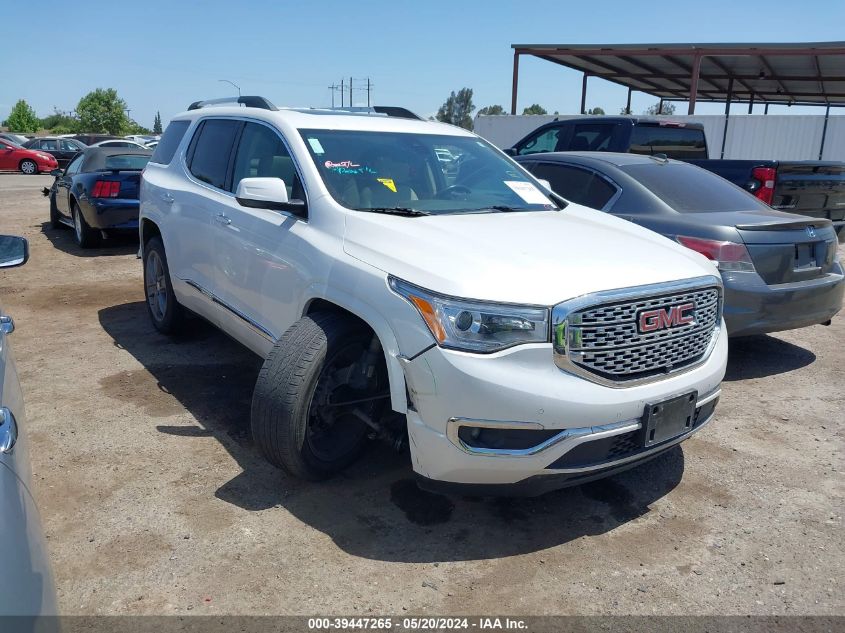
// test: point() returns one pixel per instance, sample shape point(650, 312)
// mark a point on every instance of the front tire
point(166, 313)
point(298, 421)
point(86, 237)
point(28, 167)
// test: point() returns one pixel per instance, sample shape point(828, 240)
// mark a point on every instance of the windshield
point(420, 173)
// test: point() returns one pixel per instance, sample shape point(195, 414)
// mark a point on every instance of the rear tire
point(86, 237)
point(166, 313)
point(295, 424)
point(55, 221)
point(28, 167)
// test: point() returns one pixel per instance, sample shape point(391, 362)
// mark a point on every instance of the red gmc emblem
point(663, 318)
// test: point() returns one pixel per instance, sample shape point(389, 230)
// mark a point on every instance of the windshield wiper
point(404, 211)
point(501, 208)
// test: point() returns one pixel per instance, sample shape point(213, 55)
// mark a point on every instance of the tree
point(22, 118)
point(457, 109)
point(595, 111)
point(60, 122)
point(157, 123)
point(535, 108)
point(102, 111)
point(668, 108)
point(493, 109)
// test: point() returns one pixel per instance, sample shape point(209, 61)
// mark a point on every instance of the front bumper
point(752, 307)
point(523, 387)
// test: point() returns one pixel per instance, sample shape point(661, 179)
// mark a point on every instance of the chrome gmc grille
point(601, 337)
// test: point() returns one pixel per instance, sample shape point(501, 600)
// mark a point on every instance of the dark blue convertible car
point(98, 192)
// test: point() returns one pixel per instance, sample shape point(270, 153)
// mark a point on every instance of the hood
point(539, 258)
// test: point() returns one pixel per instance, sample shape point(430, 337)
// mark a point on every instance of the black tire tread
point(54, 213)
point(90, 237)
point(174, 320)
point(281, 398)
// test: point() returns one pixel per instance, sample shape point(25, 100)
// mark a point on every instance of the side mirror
point(56, 173)
point(267, 193)
point(510, 151)
point(14, 251)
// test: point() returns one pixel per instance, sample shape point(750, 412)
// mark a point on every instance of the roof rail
point(391, 111)
point(248, 102)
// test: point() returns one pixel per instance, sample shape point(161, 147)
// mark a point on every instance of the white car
point(520, 343)
point(119, 143)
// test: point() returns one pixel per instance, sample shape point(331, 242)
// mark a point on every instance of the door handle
point(7, 324)
point(166, 197)
point(223, 219)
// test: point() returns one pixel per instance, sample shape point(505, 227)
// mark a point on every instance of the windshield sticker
point(316, 146)
point(527, 191)
point(348, 167)
point(388, 182)
point(348, 164)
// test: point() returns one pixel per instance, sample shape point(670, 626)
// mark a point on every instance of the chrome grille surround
point(596, 336)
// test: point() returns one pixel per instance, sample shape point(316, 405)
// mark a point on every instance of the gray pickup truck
point(812, 188)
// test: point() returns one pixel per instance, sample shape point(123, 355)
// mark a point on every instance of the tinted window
point(212, 148)
point(593, 137)
point(545, 141)
point(74, 165)
point(578, 185)
point(690, 189)
point(50, 145)
point(127, 161)
point(262, 154)
point(675, 142)
point(68, 146)
point(170, 140)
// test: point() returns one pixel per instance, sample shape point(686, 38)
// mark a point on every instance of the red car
point(16, 158)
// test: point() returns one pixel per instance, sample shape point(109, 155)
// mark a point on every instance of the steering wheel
point(455, 192)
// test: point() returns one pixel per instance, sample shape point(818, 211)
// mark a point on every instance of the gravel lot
point(154, 500)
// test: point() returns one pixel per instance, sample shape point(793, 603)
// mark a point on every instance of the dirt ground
point(154, 500)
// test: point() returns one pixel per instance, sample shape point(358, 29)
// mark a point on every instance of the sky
point(161, 56)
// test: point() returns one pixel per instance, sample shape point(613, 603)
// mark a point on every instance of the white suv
point(518, 342)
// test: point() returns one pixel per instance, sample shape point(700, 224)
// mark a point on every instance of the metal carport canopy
point(810, 73)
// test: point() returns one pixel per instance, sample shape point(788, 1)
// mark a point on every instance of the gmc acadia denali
point(518, 342)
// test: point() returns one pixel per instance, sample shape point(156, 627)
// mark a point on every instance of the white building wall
point(750, 136)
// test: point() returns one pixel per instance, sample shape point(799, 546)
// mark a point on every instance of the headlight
point(475, 326)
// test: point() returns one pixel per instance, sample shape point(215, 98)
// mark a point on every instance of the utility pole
point(333, 88)
point(341, 93)
point(350, 92)
point(369, 85)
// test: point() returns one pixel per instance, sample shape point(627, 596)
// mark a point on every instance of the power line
point(346, 88)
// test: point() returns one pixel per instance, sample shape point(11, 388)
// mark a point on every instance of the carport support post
point(515, 81)
point(751, 103)
point(660, 106)
point(727, 114)
point(693, 87)
point(628, 103)
point(824, 130)
point(584, 94)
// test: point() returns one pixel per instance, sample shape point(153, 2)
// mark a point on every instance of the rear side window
point(211, 151)
point(581, 186)
point(690, 189)
point(592, 137)
point(170, 140)
point(675, 142)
